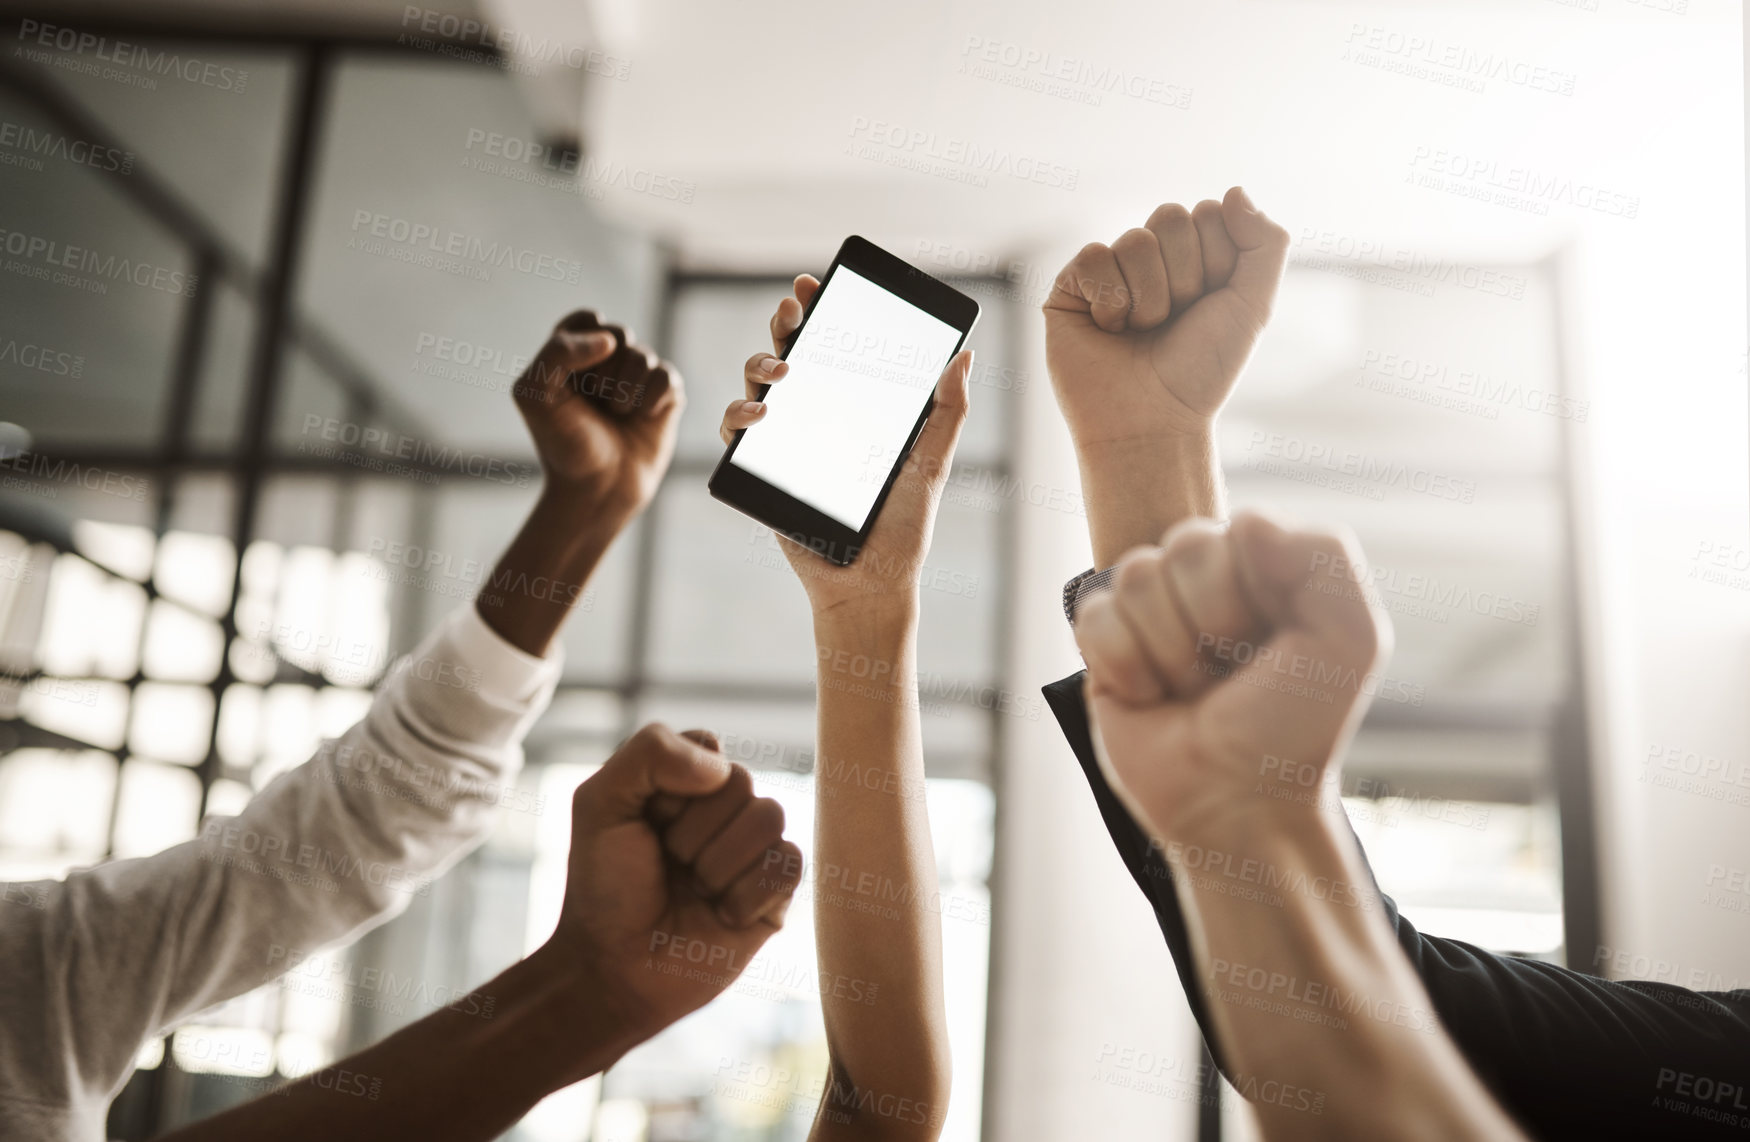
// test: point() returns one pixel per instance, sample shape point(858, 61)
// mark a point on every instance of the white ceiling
point(757, 104)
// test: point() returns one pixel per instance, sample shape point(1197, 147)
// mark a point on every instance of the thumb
point(566, 352)
point(589, 349)
point(933, 454)
point(654, 762)
point(1263, 251)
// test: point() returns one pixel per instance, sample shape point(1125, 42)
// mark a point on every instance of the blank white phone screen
point(860, 373)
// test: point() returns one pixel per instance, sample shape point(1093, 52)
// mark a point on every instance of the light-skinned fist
point(1224, 659)
point(1144, 338)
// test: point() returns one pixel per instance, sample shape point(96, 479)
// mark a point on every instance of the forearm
point(542, 575)
point(1325, 1024)
point(877, 924)
point(1138, 488)
point(468, 1071)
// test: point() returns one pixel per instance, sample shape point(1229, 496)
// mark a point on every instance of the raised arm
point(876, 912)
point(613, 973)
point(115, 954)
point(1144, 340)
point(603, 412)
point(1212, 668)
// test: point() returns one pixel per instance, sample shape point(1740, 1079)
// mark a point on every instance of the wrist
point(581, 1012)
point(585, 506)
point(869, 621)
point(1270, 851)
point(1138, 487)
point(1250, 821)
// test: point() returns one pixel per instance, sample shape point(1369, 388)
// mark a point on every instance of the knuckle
point(1170, 214)
point(1191, 540)
point(769, 815)
point(1136, 572)
point(1135, 236)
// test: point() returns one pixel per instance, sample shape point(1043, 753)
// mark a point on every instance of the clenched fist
point(656, 928)
point(1222, 657)
point(1144, 340)
point(603, 411)
point(1146, 337)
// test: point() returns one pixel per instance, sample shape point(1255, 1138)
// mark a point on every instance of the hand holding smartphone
point(862, 371)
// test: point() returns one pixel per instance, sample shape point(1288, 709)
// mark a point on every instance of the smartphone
point(863, 370)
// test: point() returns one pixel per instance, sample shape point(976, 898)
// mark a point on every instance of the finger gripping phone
point(838, 428)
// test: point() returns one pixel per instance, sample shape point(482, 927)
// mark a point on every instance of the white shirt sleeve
point(92, 966)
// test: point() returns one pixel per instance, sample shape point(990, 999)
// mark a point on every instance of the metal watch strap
point(1083, 586)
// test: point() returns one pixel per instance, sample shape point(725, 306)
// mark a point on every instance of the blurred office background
point(1509, 354)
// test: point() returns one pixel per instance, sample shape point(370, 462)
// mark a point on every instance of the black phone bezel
point(779, 510)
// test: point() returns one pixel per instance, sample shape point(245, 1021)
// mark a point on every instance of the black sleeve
point(1569, 1055)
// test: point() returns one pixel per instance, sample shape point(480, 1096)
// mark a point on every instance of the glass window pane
point(716, 329)
point(597, 638)
point(511, 257)
point(196, 569)
point(181, 646)
point(338, 709)
point(204, 1049)
point(93, 288)
point(228, 798)
point(251, 656)
point(121, 548)
point(204, 503)
point(998, 381)
point(727, 607)
point(298, 511)
point(1489, 874)
point(239, 735)
point(84, 710)
point(959, 598)
point(171, 723)
point(215, 136)
point(91, 623)
point(574, 715)
point(158, 806)
point(53, 802)
point(289, 730)
point(330, 619)
point(217, 423)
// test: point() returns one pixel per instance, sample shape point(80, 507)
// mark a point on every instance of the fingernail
point(769, 365)
point(752, 407)
point(1246, 199)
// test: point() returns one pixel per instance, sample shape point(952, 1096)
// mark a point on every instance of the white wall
point(1092, 1036)
point(1659, 342)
